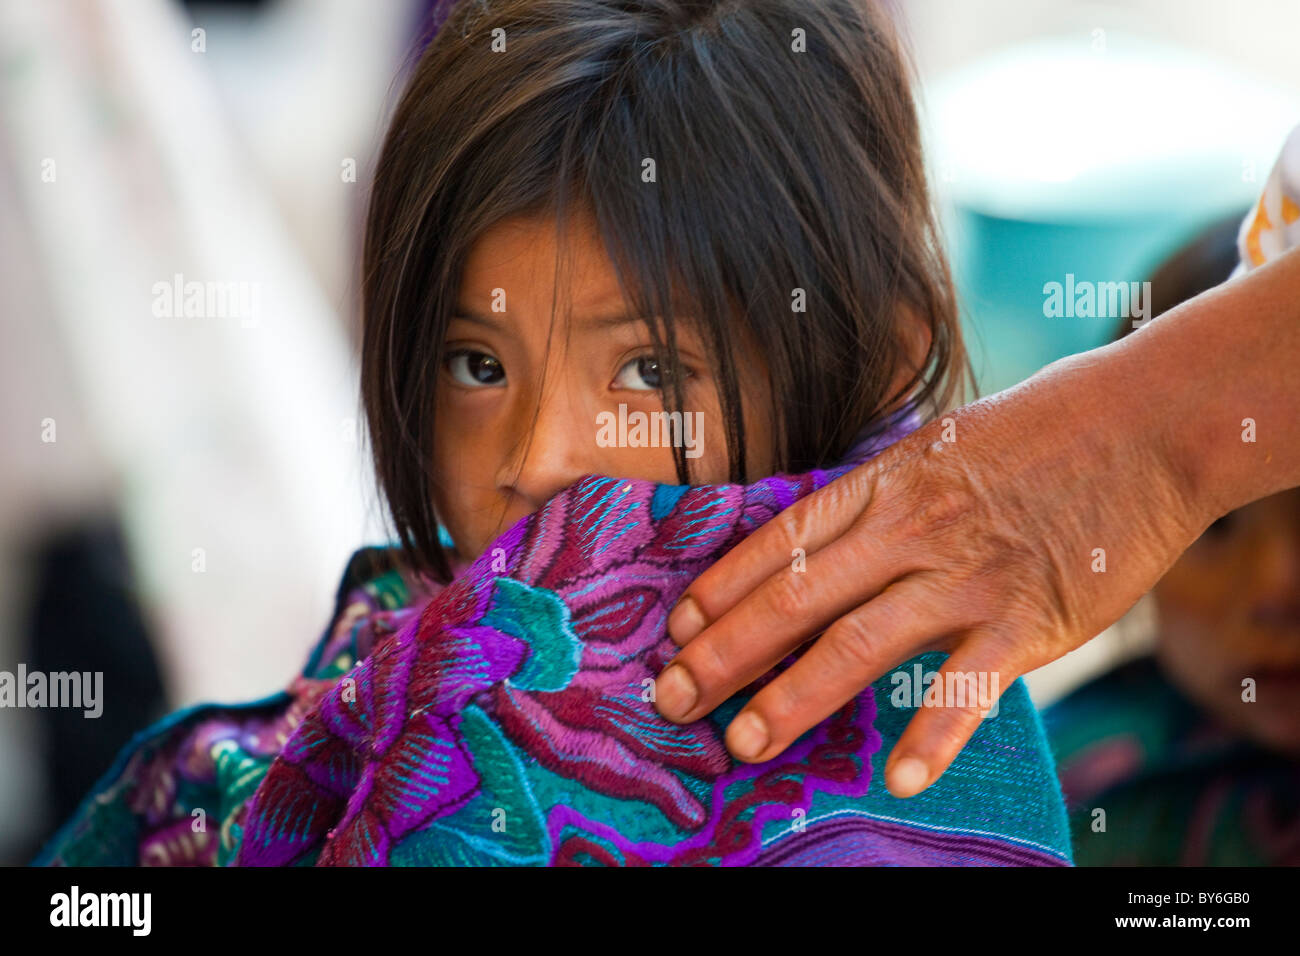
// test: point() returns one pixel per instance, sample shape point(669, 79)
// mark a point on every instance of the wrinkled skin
point(934, 545)
point(988, 546)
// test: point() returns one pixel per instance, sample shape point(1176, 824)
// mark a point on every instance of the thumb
point(957, 698)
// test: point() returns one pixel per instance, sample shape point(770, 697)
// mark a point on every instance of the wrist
point(1217, 396)
point(1131, 430)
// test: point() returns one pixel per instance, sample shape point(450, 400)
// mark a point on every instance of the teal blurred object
point(1003, 265)
point(1070, 157)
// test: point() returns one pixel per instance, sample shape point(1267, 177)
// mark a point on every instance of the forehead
point(522, 265)
point(534, 265)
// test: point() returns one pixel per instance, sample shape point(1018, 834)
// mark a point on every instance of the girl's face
point(505, 364)
point(1230, 610)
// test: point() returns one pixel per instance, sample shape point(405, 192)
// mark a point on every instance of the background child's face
point(500, 369)
point(1230, 609)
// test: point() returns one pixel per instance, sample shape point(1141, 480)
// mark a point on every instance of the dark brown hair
point(1206, 260)
point(787, 157)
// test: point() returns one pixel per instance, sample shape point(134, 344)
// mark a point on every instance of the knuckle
point(792, 527)
point(1004, 637)
point(1012, 646)
point(856, 646)
point(787, 595)
point(942, 509)
point(779, 703)
point(707, 664)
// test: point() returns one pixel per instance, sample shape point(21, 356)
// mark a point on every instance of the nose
point(551, 451)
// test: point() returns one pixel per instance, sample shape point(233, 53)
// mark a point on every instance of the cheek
point(1199, 634)
point(710, 467)
point(760, 456)
point(469, 425)
point(1191, 646)
point(1199, 587)
point(465, 456)
point(1195, 612)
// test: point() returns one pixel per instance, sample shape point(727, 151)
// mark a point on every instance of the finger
point(901, 622)
point(810, 524)
point(781, 614)
point(972, 680)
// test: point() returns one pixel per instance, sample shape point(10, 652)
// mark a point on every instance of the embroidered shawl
point(506, 718)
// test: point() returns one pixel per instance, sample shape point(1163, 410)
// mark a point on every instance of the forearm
point(1195, 379)
point(1228, 362)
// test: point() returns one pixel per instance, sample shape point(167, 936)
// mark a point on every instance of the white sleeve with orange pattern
point(1273, 225)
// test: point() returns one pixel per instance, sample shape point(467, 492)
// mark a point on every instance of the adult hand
point(1048, 511)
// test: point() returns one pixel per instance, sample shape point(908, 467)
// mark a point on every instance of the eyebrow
point(596, 323)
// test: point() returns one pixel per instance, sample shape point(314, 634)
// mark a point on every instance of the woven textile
point(506, 719)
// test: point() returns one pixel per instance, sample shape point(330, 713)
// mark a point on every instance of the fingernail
point(675, 692)
point(747, 736)
point(908, 777)
point(685, 621)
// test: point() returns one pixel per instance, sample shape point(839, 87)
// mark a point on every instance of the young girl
point(745, 186)
point(657, 214)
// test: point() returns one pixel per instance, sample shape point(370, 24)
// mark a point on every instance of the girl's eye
point(475, 369)
point(643, 374)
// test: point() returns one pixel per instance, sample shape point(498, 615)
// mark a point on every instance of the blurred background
point(179, 494)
